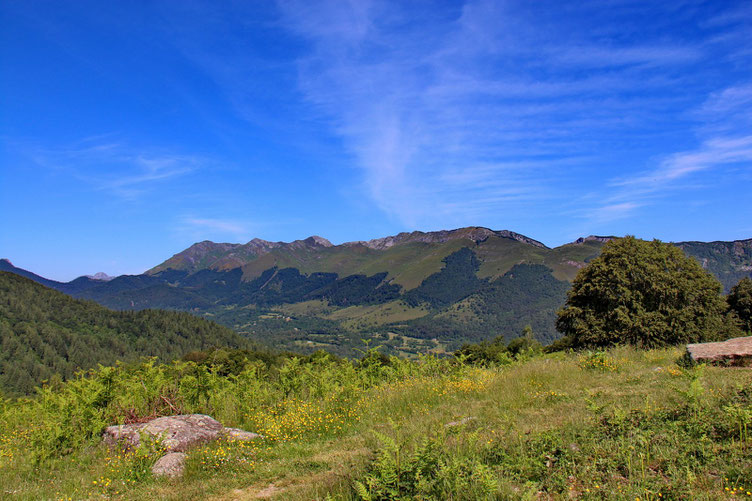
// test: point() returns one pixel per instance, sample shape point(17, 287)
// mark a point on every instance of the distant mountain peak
point(259, 241)
point(594, 238)
point(225, 256)
point(104, 277)
point(317, 240)
point(6, 260)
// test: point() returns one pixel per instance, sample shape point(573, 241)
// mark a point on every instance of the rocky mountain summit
point(475, 233)
point(225, 256)
point(102, 276)
point(593, 238)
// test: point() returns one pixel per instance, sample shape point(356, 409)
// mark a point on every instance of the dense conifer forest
point(46, 333)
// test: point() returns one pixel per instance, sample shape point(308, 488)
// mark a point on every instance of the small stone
point(460, 422)
point(242, 435)
point(170, 465)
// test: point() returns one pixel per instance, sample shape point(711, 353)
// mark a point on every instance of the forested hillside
point(411, 292)
point(45, 332)
point(728, 261)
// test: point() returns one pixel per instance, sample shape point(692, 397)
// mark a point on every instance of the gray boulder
point(170, 465)
point(175, 433)
point(737, 352)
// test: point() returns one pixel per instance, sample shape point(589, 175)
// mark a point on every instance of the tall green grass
point(622, 424)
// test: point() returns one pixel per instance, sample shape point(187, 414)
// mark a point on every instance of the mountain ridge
point(224, 256)
point(422, 290)
point(231, 255)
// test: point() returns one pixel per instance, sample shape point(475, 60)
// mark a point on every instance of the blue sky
point(130, 130)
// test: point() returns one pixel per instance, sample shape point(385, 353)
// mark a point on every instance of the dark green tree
point(740, 302)
point(642, 293)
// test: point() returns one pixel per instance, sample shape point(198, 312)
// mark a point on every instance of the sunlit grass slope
point(406, 265)
point(623, 424)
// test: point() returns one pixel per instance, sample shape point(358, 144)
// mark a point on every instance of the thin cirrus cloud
point(418, 105)
point(725, 145)
point(714, 153)
point(196, 226)
point(114, 167)
point(613, 212)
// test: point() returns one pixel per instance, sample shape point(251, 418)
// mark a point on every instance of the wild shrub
point(497, 353)
point(430, 470)
point(598, 361)
point(739, 300)
point(301, 397)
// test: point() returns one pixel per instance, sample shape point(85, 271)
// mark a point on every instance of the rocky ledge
point(734, 352)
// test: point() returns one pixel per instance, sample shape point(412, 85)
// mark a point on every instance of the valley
point(411, 292)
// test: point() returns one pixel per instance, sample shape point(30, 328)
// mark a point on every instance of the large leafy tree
point(740, 302)
point(642, 293)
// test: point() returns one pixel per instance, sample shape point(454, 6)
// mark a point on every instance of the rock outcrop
point(734, 352)
point(175, 433)
point(460, 422)
point(594, 238)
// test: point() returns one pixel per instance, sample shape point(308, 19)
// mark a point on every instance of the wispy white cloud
point(734, 101)
point(612, 212)
point(713, 153)
point(727, 112)
point(725, 145)
point(487, 107)
point(603, 57)
point(115, 167)
point(149, 169)
point(446, 115)
point(198, 227)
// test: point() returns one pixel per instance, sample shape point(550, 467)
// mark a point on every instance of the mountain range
point(412, 292)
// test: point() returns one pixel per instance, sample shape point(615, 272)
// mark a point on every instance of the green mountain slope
point(413, 290)
point(45, 332)
point(728, 261)
point(408, 258)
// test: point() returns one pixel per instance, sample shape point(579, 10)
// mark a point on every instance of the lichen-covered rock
point(170, 465)
point(175, 433)
point(737, 352)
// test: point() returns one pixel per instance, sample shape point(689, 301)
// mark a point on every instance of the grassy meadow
point(621, 424)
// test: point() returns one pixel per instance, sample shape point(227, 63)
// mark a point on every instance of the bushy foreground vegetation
point(619, 424)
